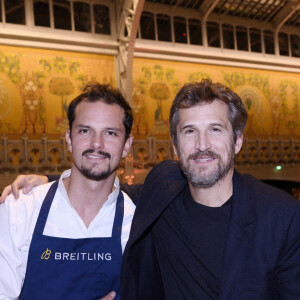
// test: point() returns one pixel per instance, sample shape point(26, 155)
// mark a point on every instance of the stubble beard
point(203, 178)
point(89, 173)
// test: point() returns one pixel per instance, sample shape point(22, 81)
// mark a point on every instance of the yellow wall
point(272, 98)
point(36, 86)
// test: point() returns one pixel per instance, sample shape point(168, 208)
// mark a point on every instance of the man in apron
point(64, 240)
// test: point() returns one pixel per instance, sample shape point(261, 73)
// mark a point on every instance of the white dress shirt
point(18, 218)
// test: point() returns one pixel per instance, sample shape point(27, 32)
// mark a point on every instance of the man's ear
point(239, 143)
point(127, 146)
point(68, 139)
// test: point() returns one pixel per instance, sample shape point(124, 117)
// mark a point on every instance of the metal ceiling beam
point(188, 3)
point(255, 6)
point(176, 4)
point(274, 12)
point(229, 6)
point(236, 12)
point(286, 12)
point(282, 17)
point(263, 7)
point(206, 8)
point(129, 19)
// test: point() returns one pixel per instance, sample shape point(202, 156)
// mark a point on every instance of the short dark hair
point(94, 92)
point(206, 91)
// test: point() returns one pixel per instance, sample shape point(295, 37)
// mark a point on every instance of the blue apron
point(63, 268)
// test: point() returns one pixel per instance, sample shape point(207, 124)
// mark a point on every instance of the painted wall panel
point(36, 86)
point(271, 97)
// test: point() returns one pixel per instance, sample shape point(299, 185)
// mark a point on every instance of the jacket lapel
point(239, 240)
point(153, 202)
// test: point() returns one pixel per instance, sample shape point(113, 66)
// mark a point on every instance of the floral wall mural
point(271, 97)
point(37, 85)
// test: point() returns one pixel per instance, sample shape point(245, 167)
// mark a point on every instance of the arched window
point(269, 42)
point(180, 30)
point(163, 27)
point(213, 34)
point(228, 36)
point(82, 16)
point(15, 11)
point(41, 13)
point(195, 32)
point(101, 19)
point(255, 40)
point(241, 38)
point(62, 14)
point(283, 40)
point(295, 45)
point(147, 26)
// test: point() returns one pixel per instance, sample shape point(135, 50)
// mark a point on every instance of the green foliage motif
point(291, 115)
point(10, 65)
point(232, 80)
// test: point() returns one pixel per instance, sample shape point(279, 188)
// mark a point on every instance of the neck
point(87, 196)
point(216, 195)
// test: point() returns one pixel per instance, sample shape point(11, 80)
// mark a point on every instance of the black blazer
point(262, 255)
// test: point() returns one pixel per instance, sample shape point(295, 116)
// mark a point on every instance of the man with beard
point(201, 230)
point(65, 240)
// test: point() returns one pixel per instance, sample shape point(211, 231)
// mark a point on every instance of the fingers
point(18, 184)
point(13, 188)
point(29, 183)
point(5, 193)
point(24, 182)
point(109, 296)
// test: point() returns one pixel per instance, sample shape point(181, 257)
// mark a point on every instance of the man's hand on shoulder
point(109, 296)
point(23, 182)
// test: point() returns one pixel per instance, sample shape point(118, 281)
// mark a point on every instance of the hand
point(109, 296)
point(24, 182)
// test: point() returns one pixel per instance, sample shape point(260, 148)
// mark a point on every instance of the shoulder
point(264, 194)
point(166, 170)
point(27, 202)
point(18, 216)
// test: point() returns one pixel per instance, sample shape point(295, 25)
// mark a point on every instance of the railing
point(51, 156)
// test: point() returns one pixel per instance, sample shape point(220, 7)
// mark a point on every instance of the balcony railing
point(52, 157)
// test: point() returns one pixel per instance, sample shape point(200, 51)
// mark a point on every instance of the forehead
point(99, 113)
point(216, 111)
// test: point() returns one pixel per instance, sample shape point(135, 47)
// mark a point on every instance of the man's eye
point(112, 133)
point(83, 130)
point(216, 129)
point(189, 131)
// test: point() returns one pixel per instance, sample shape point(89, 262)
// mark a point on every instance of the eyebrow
point(114, 128)
point(107, 128)
point(218, 124)
point(210, 124)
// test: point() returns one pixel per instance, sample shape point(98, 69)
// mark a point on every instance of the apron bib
point(63, 268)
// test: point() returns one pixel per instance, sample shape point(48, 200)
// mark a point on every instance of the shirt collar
point(112, 197)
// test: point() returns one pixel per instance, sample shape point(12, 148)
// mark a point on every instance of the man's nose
point(97, 141)
point(202, 142)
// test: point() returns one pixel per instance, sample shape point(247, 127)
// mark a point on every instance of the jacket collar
point(153, 202)
point(240, 238)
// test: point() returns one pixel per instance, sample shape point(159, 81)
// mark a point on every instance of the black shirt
point(190, 240)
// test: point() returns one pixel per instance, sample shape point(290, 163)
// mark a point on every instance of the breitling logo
point(46, 254)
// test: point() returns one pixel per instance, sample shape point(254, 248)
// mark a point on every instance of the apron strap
point(117, 227)
point(43, 215)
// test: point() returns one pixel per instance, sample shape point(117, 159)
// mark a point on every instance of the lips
point(203, 160)
point(203, 156)
point(91, 153)
point(96, 156)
